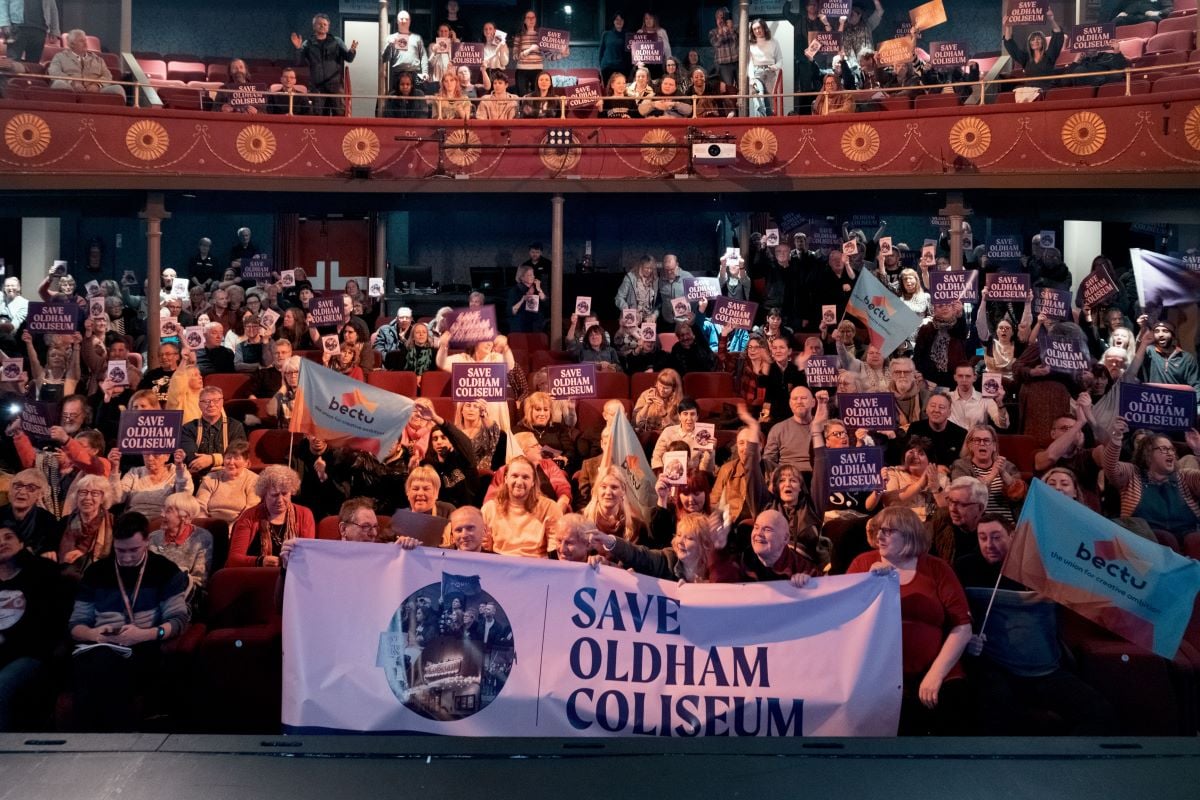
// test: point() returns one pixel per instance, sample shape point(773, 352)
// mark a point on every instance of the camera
point(714, 153)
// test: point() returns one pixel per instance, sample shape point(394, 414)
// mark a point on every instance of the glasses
point(17, 486)
point(981, 440)
point(837, 432)
point(77, 415)
point(887, 532)
point(362, 527)
point(212, 401)
point(1164, 449)
point(91, 493)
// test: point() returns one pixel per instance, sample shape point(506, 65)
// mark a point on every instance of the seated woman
point(831, 99)
point(918, 484)
point(421, 488)
point(686, 559)
point(981, 459)
point(538, 420)
point(87, 528)
point(684, 433)
point(227, 492)
point(406, 101)
point(658, 406)
point(249, 352)
point(451, 101)
point(593, 349)
point(551, 479)
point(1155, 489)
point(294, 328)
point(485, 435)
point(143, 489)
point(937, 623)
point(616, 104)
point(188, 547)
point(452, 456)
point(518, 516)
point(27, 515)
point(668, 101)
point(420, 354)
point(259, 532)
point(614, 509)
point(481, 353)
point(541, 103)
point(641, 88)
point(345, 361)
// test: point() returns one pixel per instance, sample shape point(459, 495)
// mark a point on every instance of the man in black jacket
point(326, 58)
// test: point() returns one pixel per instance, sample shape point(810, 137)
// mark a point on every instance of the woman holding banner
point(937, 624)
point(686, 559)
point(843, 513)
point(484, 352)
point(259, 532)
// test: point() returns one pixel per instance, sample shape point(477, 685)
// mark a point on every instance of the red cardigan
point(245, 528)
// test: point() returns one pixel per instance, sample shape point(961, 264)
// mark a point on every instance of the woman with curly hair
point(261, 530)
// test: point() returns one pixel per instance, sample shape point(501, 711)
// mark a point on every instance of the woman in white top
point(766, 59)
point(439, 52)
point(489, 352)
point(650, 25)
point(495, 50)
point(145, 489)
point(225, 493)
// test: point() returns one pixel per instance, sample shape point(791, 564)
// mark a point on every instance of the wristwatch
point(162, 633)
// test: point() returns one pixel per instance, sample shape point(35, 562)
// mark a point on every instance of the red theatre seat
point(896, 103)
point(181, 99)
point(529, 341)
point(612, 384)
point(153, 67)
point(940, 100)
point(1177, 24)
point(50, 51)
point(234, 385)
point(269, 447)
point(1132, 48)
point(1018, 449)
point(1174, 41)
point(640, 382)
point(186, 70)
point(327, 529)
point(402, 383)
point(708, 384)
point(544, 358)
point(1139, 85)
point(1071, 93)
point(1184, 6)
point(1142, 30)
point(435, 383)
point(1176, 83)
point(218, 72)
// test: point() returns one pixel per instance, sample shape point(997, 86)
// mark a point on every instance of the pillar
point(382, 87)
point(743, 54)
point(154, 213)
point(126, 26)
point(957, 212)
point(1080, 244)
point(556, 270)
point(40, 245)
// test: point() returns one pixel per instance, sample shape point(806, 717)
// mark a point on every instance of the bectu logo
point(354, 405)
point(1104, 555)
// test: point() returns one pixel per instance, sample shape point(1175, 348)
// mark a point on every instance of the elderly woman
point(143, 489)
point(538, 419)
point(872, 375)
point(25, 514)
point(227, 492)
point(658, 407)
point(936, 623)
point(593, 348)
point(980, 458)
point(188, 547)
point(518, 516)
point(472, 419)
point(613, 508)
point(421, 488)
point(639, 291)
point(1155, 489)
point(687, 559)
point(831, 100)
point(87, 529)
point(918, 484)
point(249, 350)
point(260, 531)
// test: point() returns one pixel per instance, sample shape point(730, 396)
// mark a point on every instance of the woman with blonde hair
point(658, 406)
point(183, 392)
point(687, 559)
point(450, 102)
point(472, 419)
point(538, 419)
point(614, 509)
point(519, 515)
point(259, 532)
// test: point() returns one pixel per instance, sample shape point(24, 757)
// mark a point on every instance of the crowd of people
point(133, 540)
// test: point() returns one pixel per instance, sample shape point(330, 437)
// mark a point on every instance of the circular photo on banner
point(448, 650)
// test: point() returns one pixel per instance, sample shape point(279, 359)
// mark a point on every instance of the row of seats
point(1182, 19)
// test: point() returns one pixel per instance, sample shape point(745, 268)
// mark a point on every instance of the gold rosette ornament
point(860, 142)
point(970, 137)
point(1084, 133)
point(27, 135)
point(360, 146)
point(462, 147)
point(256, 144)
point(1191, 128)
point(147, 140)
point(658, 147)
point(758, 146)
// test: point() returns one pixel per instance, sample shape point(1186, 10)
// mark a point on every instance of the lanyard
point(129, 604)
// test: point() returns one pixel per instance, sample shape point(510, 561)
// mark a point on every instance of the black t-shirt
point(33, 610)
point(947, 444)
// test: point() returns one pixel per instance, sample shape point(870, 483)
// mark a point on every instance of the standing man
point(326, 57)
point(724, 40)
point(203, 268)
point(670, 286)
point(405, 52)
point(32, 24)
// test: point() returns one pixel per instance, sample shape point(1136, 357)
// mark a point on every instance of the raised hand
point(297, 42)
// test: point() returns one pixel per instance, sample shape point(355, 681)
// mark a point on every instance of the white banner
point(432, 641)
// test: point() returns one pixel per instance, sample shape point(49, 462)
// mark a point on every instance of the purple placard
point(251, 94)
point(38, 418)
point(1054, 303)
point(821, 234)
point(954, 286)
point(468, 53)
point(1008, 287)
point(1026, 12)
point(1004, 249)
point(257, 268)
point(854, 469)
point(470, 326)
point(835, 8)
point(735, 314)
point(1063, 354)
point(1192, 262)
point(581, 95)
point(553, 40)
point(1098, 37)
point(872, 410)
point(831, 41)
point(571, 380)
point(52, 318)
point(821, 371)
point(1098, 287)
point(326, 311)
point(645, 48)
point(947, 55)
point(479, 382)
point(1157, 408)
point(697, 289)
point(147, 432)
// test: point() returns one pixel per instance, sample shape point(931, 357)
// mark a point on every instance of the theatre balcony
point(1140, 128)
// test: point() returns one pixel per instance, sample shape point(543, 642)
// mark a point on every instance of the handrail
point(981, 85)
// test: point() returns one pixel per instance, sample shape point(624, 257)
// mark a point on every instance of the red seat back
point(328, 529)
point(708, 384)
point(235, 385)
point(435, 383)
point(240, 596)
point(401, 383)
point(940, 100)
point(1176, 83)
point(269, 447)
point(1177, 24)
point(1170, 42)
point(612, 384)
point(1142, 30)
point(640, 382)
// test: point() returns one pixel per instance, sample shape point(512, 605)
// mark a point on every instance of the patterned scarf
point(96, 542)
point(939, 351)
point(266, 542)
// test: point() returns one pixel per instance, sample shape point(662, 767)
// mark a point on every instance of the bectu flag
point(885, 316)
point(1163, 281)
point(1136, 588)
point(348, 413)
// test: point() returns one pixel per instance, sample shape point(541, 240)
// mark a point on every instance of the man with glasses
point(205, 440)
point(35, 526)
point(954, 529)
point(392, 340)
point(357, 521)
